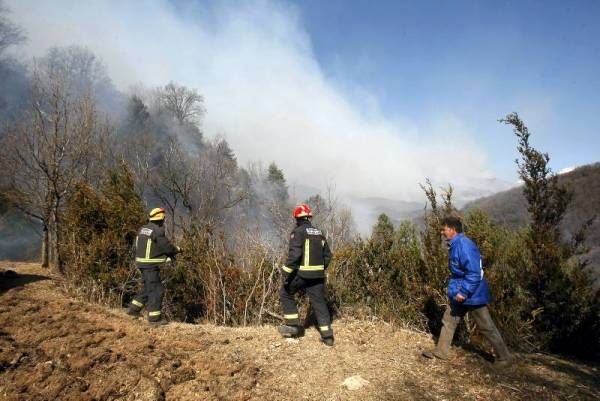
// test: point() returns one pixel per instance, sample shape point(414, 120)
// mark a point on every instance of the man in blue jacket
point(468, 291)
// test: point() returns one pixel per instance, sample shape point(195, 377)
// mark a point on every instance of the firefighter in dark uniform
point(308, 257)
point(153, 249)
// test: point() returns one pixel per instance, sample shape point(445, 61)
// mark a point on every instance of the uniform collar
point(302, 222)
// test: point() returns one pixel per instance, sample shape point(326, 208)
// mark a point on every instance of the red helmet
point(302, 211)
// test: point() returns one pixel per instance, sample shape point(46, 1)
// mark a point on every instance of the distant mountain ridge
point(366, 210)
point(510, 208)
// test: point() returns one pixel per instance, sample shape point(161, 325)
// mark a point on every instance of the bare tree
point(10, 34)
point(218, 175)
point(13, 73)
point(333, 218)
point(51, 148)
point(184, 104)
point(173, 181)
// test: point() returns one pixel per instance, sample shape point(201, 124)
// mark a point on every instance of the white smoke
point(264, 92)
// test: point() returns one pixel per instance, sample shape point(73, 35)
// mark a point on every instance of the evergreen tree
point(567, 305)
point(547, 203)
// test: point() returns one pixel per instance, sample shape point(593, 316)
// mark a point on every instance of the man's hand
point(459, 298)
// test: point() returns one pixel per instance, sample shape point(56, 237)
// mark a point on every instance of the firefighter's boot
point(289, 331)
point(135, 308)
point(157, 323)
point(133, 313)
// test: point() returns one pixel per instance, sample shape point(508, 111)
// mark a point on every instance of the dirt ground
point(54, 347)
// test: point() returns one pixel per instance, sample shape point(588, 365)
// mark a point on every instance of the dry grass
point(56, 347)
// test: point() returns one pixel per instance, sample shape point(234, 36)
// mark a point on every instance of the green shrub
point(99, 230)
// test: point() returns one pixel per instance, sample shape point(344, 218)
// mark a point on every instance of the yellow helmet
point(158, 213)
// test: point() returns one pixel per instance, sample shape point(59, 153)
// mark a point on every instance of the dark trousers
point(452, 316)
point(150, 295)
point(315, 289)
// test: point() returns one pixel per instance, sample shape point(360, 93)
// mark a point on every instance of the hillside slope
point(54, 347)
point(510, 208)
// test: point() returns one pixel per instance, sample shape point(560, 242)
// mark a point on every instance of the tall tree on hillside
point(13, 74)
point(217, 188)
point(547, 203)
point(173, 180)
point(185, 105)
point(54, 145)
point(569, 308)
point(138, 116)
point(277, 180)
point(10, 34)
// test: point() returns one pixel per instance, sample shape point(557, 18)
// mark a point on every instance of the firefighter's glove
point(286, 274)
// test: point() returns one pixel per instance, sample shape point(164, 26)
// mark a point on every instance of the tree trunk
point(45, 247)
point(54, 243)
point(57, 249)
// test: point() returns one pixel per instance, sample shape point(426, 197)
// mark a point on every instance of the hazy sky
point(370, 96)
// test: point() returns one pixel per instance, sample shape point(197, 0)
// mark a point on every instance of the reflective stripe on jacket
point(308, 252)
point(152, 246)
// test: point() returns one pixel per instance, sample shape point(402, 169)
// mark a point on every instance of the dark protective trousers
point(315, 289)
point(452, 316)
point(150, 295)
